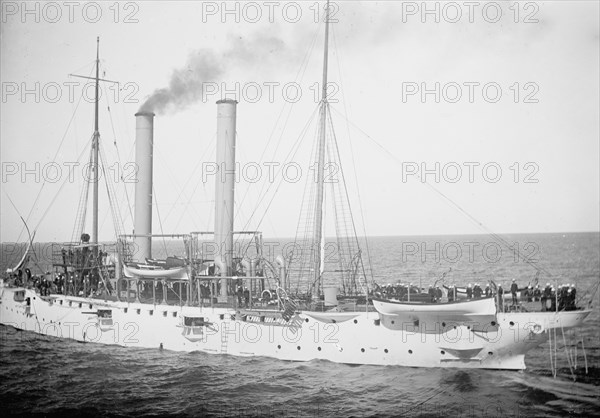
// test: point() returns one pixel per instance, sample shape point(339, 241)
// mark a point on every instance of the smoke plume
point(205, 65)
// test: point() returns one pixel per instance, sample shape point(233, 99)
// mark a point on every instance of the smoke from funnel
point(205, 65)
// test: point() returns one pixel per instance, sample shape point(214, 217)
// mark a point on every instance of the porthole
point(222, 316)
point(385, 351)
point(512, 323)
point(443, 352)
point(306, 320)
point(334, 321)
point(138, 311)
point(493, 323)
point(409, 351)
point(443, 325)
point(362, 350)
point(298, 347)
point(164, 313)
point(469, 327)
point(393, 322)
point(279, 347)
point(319, 348)
point(355, 321)
point(490, 353)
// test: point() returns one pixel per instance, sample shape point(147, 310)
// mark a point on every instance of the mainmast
point(95, 146)
point(321, 162)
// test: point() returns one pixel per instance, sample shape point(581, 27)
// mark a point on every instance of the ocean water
point(47, 376)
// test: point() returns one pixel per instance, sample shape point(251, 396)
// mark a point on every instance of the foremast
point(318, 232)
point(95, 147)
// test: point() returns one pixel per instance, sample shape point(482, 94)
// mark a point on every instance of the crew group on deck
point(69, 283)
point(551, 299)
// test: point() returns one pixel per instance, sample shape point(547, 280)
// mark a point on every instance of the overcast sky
point(516, 110)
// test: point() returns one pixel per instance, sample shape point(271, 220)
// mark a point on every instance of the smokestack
point(144, 140)
point(225, 182)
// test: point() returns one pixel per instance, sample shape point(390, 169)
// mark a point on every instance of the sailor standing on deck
point(477, 291)
point(514, 287)
point(431, 293)
point(545, 296)
point(529, 293)
point(537, 293)
point(438, 294)
point(469, 292)
point(240, 295)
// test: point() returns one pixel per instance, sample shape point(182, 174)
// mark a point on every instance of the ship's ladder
point(289, 309)
point(295, 324)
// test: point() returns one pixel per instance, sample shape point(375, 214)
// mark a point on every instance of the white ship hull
point(367, 338)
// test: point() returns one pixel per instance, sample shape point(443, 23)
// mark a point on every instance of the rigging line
point(305, 226)
point(31, 248)
point(167, 168)
point(116, 215)
point(14, 256)
point(460, 209)
point(57, 193)
point(34, 206)
point(362, 215)
point(292, 153)
point(210, 149)
point(82, 207)
point(339, 158)
point(112, 125)
point(92, 62)
point(25, 225)
point(299, 77)
point(189, 178)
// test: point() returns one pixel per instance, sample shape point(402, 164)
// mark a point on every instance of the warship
point(216, 291)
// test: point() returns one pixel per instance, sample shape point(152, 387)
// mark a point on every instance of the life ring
point(266, 295)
